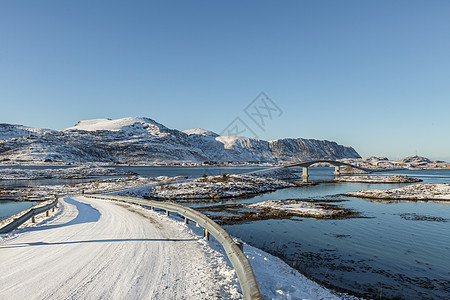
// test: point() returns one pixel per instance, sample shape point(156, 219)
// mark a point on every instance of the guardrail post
point(240, 245)
point(47, 213)
point(206, 234)
point(186, 220)
point(33, 219)
point(167, 213)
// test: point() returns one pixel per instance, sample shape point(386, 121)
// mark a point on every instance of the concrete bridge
point(306, 164)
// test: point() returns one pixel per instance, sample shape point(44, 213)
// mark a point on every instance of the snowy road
point(99, 249)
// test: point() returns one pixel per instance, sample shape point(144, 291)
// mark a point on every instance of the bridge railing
point(28, 215)
point(237, 258)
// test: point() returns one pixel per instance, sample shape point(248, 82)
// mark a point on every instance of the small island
point(377, 179)
point(228, 214)
point(210, 187)
point(415, 192)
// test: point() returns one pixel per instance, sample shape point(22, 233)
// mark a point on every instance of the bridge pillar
point(337, 171)
point(305, 174)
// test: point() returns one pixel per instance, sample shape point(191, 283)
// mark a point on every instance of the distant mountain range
point(142, 140)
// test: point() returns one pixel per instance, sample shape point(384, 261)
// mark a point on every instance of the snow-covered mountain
point(143, 140)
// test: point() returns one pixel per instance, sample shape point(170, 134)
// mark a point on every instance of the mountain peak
point(200, 131)
point(131, 125)
point(111, 125)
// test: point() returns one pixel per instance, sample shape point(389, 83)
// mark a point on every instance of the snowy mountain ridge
point(137, 140)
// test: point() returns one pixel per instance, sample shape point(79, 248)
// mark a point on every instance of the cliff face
point(309, 149)
point(142, 140)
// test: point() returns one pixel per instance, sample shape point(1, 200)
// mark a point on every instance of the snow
point(200, 131)
point(215, 187)
point(83, 171)
point(130, 125)
point(298, 207)
point(413, 192)
point(377, 179)
point(229, 142)
point(107, 124)
point(10, 131)
point(375, 163)
point(277, 280)
point(39, 193)
point(98, 249)
point(127, 252)
point(138, 140)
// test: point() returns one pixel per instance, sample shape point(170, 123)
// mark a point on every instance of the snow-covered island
point(377, 179)
point(46, 192)
point(232, 213)
point(210, 187)
point(415, 192)
point(300, 208)
point(84, 171)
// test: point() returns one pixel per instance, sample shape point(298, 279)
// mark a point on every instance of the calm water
point(9, 208)
point(188, 171)
point(380, 254)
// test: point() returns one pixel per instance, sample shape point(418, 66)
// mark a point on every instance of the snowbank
point(413, 192)
point(277, 280)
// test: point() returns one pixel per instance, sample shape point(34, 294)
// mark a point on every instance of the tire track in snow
point(121, 254)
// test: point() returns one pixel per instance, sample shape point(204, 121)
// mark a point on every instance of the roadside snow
point(277, 280)
point(427, 191)
point(158, 257)
point(99, 249)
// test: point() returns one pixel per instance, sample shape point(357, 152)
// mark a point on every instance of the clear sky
point(371, 74)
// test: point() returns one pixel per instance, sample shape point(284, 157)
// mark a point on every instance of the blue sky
point(371, 74)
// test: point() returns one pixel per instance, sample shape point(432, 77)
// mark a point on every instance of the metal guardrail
point(25, 217)
point(237, 258)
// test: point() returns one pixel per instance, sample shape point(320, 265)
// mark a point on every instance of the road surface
point(97, 249)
